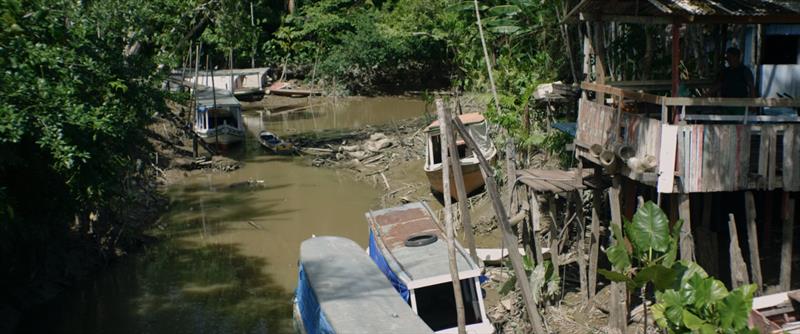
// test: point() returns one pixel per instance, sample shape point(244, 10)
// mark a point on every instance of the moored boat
point(339, 290)
point(473, 179)
point(287, 90)
point(273, 143)
point(409, 247)
point(218, 117)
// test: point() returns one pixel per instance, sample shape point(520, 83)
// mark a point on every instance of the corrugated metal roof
point(689, 8)
point(224, 98)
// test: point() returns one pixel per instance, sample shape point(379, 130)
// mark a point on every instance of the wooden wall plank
point(666, 166)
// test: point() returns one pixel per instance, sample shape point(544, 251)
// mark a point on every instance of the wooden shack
point(666, 140)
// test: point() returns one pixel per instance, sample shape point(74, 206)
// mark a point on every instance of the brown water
point(227, 259)
point(290, 116)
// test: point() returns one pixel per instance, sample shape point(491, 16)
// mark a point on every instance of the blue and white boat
point(218, 117)
point(408, 245)
point(340, 290)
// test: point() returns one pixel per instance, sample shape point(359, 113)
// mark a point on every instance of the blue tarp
point(570, 128)
point(313, 318)
point(377, 257)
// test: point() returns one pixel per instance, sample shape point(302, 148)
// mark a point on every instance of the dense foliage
point(688, 300)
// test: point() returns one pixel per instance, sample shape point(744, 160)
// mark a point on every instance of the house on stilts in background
point(656, 132)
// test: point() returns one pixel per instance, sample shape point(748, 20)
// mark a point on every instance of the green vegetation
point(688, 300)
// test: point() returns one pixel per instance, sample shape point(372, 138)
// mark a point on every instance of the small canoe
point(340, 290)
point(286, 89)
point(273, 143)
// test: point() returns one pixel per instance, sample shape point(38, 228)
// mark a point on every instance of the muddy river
point(226, 262)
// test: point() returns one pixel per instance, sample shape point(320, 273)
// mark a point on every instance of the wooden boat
point(286, 89)
point(408, 245)
point(218, 117)
point(271, 141)
point(473, 179)
point(776, 313)
point(339, 290)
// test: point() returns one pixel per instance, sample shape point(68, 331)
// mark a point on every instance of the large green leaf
point(684, 271)
point(692, 322)
point(649, 229)
point(617, 253)
point(618, 277)
point(734, 309)
point(504, 10)
point(661, 277)
point(673, 304)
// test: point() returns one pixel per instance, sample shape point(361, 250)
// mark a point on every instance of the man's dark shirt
point(735, 81)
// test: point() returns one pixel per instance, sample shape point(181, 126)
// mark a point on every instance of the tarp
point(313, 318)
point(377, 257)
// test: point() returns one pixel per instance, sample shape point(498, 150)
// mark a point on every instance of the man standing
point(736, 80)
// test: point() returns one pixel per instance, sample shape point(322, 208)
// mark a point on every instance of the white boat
point(218, 117)
point(339, 290)
point(247, 84)
point(409, 247)
point(473, 179)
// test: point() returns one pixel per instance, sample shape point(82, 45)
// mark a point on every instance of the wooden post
point(752, 240)
point(536, 216)
point(738, 268)
point(787, 239)
point(618, 313)
point(194, 93)
point(458, 176)
point(509, 239)
point(451, 248)
point(686, 238)
point(255, 40)
point(554, 249)
point(594, 240)
point(707, 252)
point(578, 200)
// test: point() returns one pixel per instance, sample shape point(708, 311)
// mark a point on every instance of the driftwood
point(451, 248)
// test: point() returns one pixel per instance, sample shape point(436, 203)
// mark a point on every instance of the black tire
point(421, 240)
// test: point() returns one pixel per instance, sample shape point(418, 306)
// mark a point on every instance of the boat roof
point(393, 226)
point(467, 119)
point(354, 295)
point(224, 98)
point(235, 71)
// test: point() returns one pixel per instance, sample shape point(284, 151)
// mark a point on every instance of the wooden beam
point(618, 313)
point(742, 118)
point(581, 240)
point(738, 268)
point(600, 88)
point(660, 6)
point(451, 250)
point(554, 242)
point(509, 239)
point(632, 19)
point(786, 242)
point(686, 238)
point(576, 9)
point(752, 240)
point(458, 177)
point(731, 102)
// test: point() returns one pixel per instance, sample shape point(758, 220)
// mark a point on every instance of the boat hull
point(473, 179)
point(253, 95)
point(221, 136)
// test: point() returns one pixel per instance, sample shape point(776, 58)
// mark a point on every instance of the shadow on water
point(174, 287)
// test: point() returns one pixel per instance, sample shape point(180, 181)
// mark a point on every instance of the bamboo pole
point(458, 176)
point(444, 128)
point(509, 239)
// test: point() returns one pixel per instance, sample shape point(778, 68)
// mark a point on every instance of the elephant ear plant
point(687, 299)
